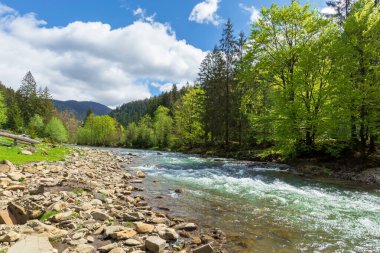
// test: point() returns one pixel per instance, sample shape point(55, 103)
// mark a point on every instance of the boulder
point(117, 250)
point(32, 244)
point(18, 212)
point(7, 166)
point(84, 248)
point(62, 216)
point(124, 234)
point(16, 176)
point(204, 249)
point(11, 236)
point(98, 215)
point(108, 231)
point(144, 228)
point(44, 230)
point(168, 234)
point(108, 247)
point(132, 242)
point(140, 174)
point(57, 206)
point(135, 216)
point(6, 218)
point(155, 244)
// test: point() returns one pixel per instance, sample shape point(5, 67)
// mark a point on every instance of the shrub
point(56, 131)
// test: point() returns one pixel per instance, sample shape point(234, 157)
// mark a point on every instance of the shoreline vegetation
point(90, 201)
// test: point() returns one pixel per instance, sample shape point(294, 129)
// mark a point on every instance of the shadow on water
point(263, 208)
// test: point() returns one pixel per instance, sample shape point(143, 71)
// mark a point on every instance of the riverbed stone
point(33, 244)
point(117, 250)
point(168, 234)
point(155, 244)
point(144, 227)
point(124, 234)
point(204, 249)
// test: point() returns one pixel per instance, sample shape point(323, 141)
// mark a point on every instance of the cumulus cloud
point(205, 12)
point(254, 13)
point(328, 11)
point(92, 61)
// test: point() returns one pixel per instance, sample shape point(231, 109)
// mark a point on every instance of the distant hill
point(80, 108)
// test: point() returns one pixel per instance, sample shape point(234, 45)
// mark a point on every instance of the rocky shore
point(89, 203)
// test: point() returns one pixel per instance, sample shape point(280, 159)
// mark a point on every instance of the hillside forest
point(301, 84)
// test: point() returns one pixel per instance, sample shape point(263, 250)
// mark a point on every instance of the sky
point(115, 51)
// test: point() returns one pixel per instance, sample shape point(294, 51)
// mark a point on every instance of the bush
point(36, 126)
point(56, 131)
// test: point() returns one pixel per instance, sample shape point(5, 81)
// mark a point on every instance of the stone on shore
point(144, 228)
point(33, 244)
point(140, 174)
point(155, 244)
point(204, 249)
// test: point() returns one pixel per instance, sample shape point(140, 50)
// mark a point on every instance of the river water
point(260, 208)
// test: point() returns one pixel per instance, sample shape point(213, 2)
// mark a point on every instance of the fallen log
point(19, 138)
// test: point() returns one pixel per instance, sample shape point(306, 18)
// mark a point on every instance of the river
point(261, 208)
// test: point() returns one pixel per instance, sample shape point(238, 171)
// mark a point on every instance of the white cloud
point(142, 14)
point(6, 9)
point(92, 61)
point(254, 13)
point(328, 10)
point(205, 12)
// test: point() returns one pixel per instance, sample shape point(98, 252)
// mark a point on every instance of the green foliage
point(163, 125)
point(3, 110)
point(56, 131)
point(48, 215)
point(78, 191)
point(100, 131)
point(22, 179)
point(189, 115)
point(36, 126)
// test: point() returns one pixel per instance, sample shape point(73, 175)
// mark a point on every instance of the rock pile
point(88, 203)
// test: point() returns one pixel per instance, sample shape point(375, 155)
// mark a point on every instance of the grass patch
point(74, 215)
point(48, 215)
point(3, 250)
point(78, 191)
point(128, 224)
point(22, 179)
point(11, 153)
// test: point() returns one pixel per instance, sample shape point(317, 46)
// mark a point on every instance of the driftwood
point(19, 138)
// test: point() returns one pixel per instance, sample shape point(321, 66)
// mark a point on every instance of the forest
point(301, 84)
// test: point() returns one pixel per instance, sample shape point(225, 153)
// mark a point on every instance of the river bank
point(90, 202)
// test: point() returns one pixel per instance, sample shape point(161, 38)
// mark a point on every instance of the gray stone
point(97, 215)
point(32, 244)
point(108, 247)
point(168, 234)
point(84, 248)
point(132, 242)
point(204, 249)
point(135, 216)
point(117, 250)
point(10, 237)
point(108, 231)
point(155, 244)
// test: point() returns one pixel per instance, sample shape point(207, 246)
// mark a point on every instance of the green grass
point(11, 153)
point(47, 215)
point(78, 191)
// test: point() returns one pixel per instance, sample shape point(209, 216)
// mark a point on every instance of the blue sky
point(119, 13)
point(114, 51)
